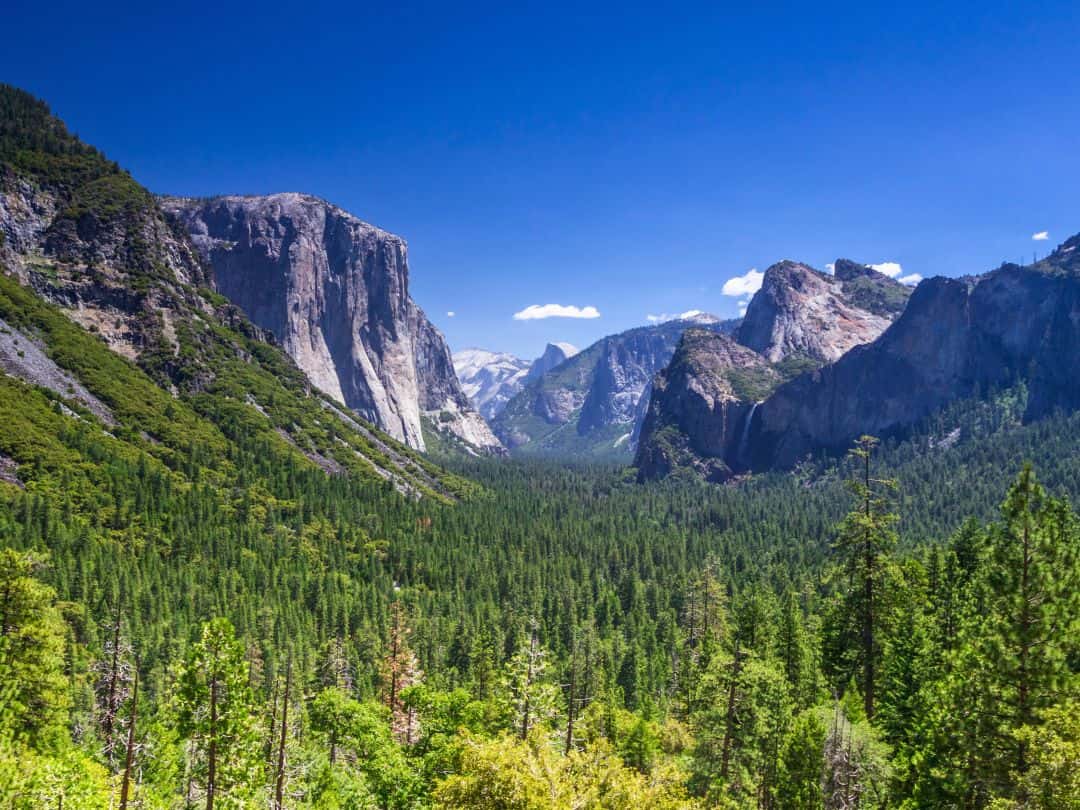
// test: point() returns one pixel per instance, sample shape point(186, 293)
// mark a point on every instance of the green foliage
point(1016, 657)
point(31, 654)
point(802, 764)
point(215, 714)
point(864, 539)
point(882, 296)
point(509, 774)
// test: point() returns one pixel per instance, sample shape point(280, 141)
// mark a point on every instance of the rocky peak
point(847, 270)
point(706, 402)
point(802, 312)
point(555, 354)
point(957, 338)
point(334, 290)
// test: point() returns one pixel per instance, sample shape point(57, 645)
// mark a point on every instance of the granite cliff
point(956, 339)
point(335, 292)
point(800, 311)
point(107, 305)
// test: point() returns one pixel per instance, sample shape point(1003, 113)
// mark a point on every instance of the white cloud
point(538, 311)
point(1041, 236)
point(744, 285)
point(830, 268)
point(682, 316)
point(890, 269)
point(451, 314)
point(911, 279)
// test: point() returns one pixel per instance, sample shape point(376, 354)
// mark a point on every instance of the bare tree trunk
point(527, 708)
point(570, 702)
point(729, 726)
point(280, 782)
point(108, 720)
point(129, 754)
point(868, 619)
point(211, 771)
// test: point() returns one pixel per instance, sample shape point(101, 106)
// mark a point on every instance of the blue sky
point(627, 158)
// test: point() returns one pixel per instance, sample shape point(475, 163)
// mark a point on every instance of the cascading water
point(745, 440)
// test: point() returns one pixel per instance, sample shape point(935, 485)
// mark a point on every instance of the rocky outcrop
point(592, 405)
point(957, 338)
point(555, 354)
point(335, 292)
point(103, 251)
point(800, 311)
point(703, 406)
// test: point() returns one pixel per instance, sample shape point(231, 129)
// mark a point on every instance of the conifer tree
point(802, 764)
point(529, 695)
point(864, 540)
point(216, 715)
point(31, 650)
point(1015, 664)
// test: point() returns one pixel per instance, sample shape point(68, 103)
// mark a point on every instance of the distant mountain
point(702, 405)
point(591, 405)
point(335, 291)
point(555, 354)
point(490, 379)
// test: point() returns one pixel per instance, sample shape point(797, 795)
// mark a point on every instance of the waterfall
point(745, 440)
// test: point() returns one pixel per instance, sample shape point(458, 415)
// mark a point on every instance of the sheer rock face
point(956, 339)
point(801, 311)
point(555, 354)
point(625, 370)
point(335, 292)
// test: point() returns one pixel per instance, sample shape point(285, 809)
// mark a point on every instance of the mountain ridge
point(491, 379)
point(956, 338)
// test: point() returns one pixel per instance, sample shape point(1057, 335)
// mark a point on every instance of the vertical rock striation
point(335, 292)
